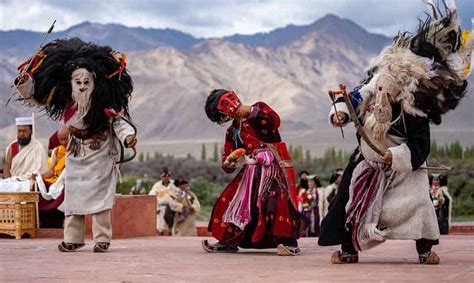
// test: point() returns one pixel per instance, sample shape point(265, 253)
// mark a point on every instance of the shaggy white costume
point(413, 81)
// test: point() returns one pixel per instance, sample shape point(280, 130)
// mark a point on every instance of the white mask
point(82, 83)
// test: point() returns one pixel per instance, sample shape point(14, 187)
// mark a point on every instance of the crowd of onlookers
point(314, 200)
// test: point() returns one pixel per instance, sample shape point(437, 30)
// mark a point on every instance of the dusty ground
point(181, 259)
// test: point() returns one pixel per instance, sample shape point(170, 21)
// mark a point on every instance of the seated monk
point(23, 158)
point(51, 185)
point(58, 159)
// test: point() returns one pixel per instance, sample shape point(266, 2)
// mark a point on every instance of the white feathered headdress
point(425, 72)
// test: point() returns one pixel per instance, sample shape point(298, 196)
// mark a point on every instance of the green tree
point(215, 155)
point(434, 149)
point(203, 152)
point(308, 156)
point(457, 150)
point(339, 158)
point(141, 157)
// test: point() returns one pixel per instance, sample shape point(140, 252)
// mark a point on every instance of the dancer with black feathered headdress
point(88, 87)
point(383, 192)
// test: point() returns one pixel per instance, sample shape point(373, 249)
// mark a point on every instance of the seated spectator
point(137, 189)
point(58, 158)
point(51, 185)
point(185, 221)
point(166, 195)
point(24, 157)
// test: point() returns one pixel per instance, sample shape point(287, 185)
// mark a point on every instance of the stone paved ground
point(171, 259)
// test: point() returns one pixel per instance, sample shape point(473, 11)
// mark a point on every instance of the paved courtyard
point(171, 259)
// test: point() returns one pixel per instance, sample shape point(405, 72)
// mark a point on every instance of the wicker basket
point(18, 214)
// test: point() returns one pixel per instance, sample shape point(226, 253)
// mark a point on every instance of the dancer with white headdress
point(383, 193)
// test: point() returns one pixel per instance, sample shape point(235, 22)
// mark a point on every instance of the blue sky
point(217, 18)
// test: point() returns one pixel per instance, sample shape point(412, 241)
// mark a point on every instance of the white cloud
point(213, 18)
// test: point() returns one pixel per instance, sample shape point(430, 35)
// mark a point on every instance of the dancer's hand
point(131, 141)
point(22, 78)
point(339, 118)
point(233, 164)
point(230, 165)
point(387, 158)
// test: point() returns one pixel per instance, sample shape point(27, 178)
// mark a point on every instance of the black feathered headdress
point(212, 102)
point(426, 71)
point(51, 70)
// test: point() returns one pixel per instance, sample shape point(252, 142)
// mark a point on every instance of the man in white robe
point(185, 221)
point(166, 194)
point(23, 158)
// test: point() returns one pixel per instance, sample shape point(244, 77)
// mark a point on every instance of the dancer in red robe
point(258, 208)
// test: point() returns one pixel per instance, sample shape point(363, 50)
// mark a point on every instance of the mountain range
point(290, 68)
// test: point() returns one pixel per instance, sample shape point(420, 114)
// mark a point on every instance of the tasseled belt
point(239, 210)
point(81, 138)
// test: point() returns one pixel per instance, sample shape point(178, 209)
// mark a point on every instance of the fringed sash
point(239, 210)
point(368, 184)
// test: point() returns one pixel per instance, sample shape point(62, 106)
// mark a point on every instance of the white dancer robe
point(91, 176)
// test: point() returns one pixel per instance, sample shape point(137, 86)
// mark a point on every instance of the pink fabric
point(239, 210)
point(264, 157)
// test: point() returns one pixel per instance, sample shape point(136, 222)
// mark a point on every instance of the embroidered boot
point(429, 258)
point(101, 247)
point(283, 250)
point(69, 247)
point(340, 257)
point(218, 248)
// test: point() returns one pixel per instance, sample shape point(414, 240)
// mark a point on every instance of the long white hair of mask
point(379, 119)
point(82, 83)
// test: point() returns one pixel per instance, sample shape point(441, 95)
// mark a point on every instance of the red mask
point(228, 103)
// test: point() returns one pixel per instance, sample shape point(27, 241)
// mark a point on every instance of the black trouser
point(333, 230)
point(425, 245)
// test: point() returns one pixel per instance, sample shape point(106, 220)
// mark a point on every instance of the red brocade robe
point(279, 218)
